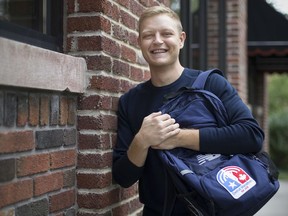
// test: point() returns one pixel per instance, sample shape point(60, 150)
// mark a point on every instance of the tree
point(278, 119)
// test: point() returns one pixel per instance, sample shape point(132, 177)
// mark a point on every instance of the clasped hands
point(159, 131)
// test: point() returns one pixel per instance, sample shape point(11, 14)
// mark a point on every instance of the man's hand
point(186, 138)
point(156, 128)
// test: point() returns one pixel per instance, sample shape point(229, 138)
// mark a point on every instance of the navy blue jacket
point(243, 135)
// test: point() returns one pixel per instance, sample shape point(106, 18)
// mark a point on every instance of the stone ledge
point(23, 65)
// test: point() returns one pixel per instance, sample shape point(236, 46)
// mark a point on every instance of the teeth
point(159, 51)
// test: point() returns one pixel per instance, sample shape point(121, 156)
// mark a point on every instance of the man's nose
point(158, 38)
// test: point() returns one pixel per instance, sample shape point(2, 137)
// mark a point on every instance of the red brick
point(133, 41)
point(62, 200)
point(120, 33)
point(90, 6)
point(94, 180)
point(113, 139)
point(135, 204)
point(95, 102)
point(92, 43)
point(22, 110)
point(115, 102)
point(125, 85)
point(48, 183)
point(126, 193)
point(16, 141)
point(104, 122)
point(128, 54)
point(108, 8)
point(88, 23)
point(70, 6)
point(33, 110)
point(44, 110)
point(33, 164)
point(128, 208)
point(105, 83)
point(62, 159)
point(137, 74)
point(94, 141)
point(121, 210)
point(94, 161)
point(70, 44)
point(98, 200)
point(63, 111)
point(147, 3)
point(124, 3)
point(128, 20)
point(111, 47)
point(99, 43)
point(147, 75)
point(121, 68)
point(15, 192)
point(99, 63)
point(136, 8)
point(71, 111)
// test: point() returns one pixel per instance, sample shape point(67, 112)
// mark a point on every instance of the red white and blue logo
point(235, 180)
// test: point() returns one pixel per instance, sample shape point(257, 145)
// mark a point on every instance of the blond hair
point(157, 10)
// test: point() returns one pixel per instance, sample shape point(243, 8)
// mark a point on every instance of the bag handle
point(200, 81)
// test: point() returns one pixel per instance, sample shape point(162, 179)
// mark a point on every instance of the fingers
point(158, 127)
point(165, 126)
point(154, 114)
point(157, 118)
point(168, 122)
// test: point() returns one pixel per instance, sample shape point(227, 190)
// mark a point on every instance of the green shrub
point(278, 138)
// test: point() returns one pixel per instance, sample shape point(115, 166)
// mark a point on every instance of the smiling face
point(160, 40)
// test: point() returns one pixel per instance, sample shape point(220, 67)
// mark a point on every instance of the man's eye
point(147, 36)
point(168, 34)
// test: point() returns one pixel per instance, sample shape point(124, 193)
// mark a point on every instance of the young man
point(143, 130)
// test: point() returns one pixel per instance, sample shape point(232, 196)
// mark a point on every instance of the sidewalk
point(278, 205)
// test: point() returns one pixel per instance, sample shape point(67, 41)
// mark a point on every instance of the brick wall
point(237, 45)
point(236, 42)
point(105, 34)
point(37, 152)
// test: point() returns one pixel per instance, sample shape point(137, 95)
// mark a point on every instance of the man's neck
point(162, 76)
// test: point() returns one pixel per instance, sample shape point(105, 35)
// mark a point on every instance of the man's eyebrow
point(152, 30)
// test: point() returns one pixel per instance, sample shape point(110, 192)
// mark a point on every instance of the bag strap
point(200, 81)
point(170, 189)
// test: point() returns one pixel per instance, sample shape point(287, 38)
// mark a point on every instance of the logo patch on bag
point(203, 158)
point(235, 180)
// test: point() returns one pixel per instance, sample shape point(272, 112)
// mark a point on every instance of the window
point(36, 22)
point(194, 21)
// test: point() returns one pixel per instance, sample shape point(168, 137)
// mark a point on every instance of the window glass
point(190, 14)
point(37, 22)
point(28, 13)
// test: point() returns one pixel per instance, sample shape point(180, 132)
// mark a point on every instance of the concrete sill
point(23, 65)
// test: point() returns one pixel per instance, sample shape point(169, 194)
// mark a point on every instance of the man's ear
point(182, 39)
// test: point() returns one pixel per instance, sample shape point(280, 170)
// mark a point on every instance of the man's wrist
point(189, 138)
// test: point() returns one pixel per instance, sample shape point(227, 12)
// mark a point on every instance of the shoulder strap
point(200, 81)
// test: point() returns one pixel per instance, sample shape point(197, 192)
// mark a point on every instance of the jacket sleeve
point(124, 172)
point(243, 135)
